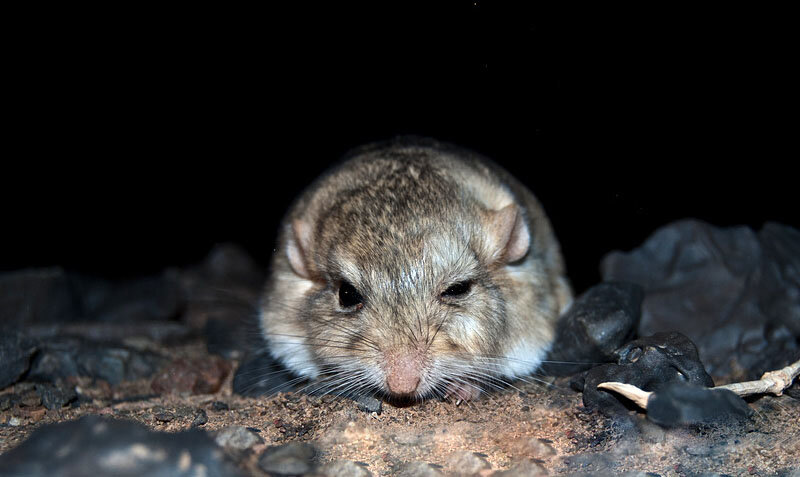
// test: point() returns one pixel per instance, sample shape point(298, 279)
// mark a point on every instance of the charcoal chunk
point(648, 363)
point(99, 446)
point(599, 321)
point(679, 403)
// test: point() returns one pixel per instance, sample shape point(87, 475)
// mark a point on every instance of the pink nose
point(402, 375)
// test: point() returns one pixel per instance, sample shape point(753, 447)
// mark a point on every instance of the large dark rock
point(16, 351)
point(648, 363)
point(599, 321)
point(151, 298)
point(98, 446)
point(37, 296)
point(734, 292)
point(680, 403)
point(53, 296)
point(61, 357)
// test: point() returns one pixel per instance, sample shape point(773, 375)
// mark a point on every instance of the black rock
point(55, 397)
point(369, 404)
point(261, 375)
point(648, 363)
point(599, 321)
point(60, 357)
point(99, 446)
point(200, 418)
point(15, 355)
point(294, 458)
point(37, 296)
point(150, 298)
point(219, 406)
point(679, 403)
point(165, 332)
point(731, 291)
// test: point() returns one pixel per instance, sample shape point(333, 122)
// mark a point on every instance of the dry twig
point(774, 382)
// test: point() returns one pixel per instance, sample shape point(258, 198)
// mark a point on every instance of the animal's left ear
point(509, 237)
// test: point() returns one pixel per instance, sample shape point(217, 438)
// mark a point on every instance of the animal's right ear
point(298, 246)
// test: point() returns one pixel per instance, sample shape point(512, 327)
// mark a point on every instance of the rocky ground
point(90, 391)
point(532, 430)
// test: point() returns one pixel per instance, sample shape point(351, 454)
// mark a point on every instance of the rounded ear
point(510, 238)
point(297, 247)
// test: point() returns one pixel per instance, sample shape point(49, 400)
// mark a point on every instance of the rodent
point(414, 269)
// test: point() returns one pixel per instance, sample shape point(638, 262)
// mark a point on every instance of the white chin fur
point(524, 359)
point(294, 354)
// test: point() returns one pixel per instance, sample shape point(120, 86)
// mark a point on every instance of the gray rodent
point(414, 269)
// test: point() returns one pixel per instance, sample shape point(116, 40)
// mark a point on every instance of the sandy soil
point(533, 428)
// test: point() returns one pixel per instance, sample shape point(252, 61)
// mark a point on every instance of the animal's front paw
point(460, 392)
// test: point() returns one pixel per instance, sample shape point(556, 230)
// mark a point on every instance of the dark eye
point(349, 296)
point(458, 289)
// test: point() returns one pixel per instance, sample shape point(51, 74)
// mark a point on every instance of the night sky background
point(137, 139)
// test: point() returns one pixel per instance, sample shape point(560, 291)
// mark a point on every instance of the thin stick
point(774, 382)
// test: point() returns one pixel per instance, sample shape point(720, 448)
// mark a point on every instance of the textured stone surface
point(648, 363)
point(467, 463)
point(37, 296)
point(237, 437)
point(683, 404)
point(599, 321)
point(344, 468)
point(61, 357)
point(185, 376)
point(150, 298)
point(55, 397)
point(732, 291)
point(15, 355)
point(294, 458)
point(418, 469)
point(100, 446)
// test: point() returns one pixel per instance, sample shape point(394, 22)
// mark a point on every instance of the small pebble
point(534, 448)
point(54, 397)
point(699, 450)
point(14, 421)
point(162, 415)
point(467, 463)
point(200, 418)
point(30, 400)
point(369, 404)
point(418, 469)
point(294, 458)
point(219, 406)
point(237, 437)
point(344, 468)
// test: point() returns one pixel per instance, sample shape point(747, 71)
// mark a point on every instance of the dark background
point(136, 139)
